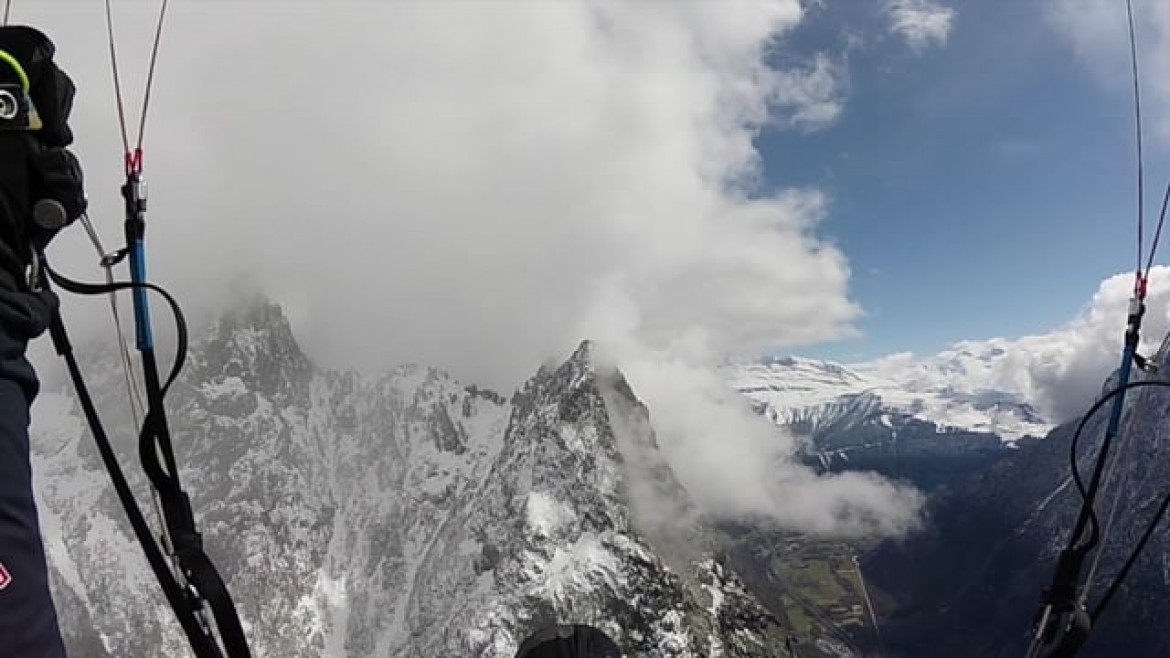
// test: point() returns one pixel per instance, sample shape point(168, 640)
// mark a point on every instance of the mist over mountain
point(402, 514)
point(409, 513)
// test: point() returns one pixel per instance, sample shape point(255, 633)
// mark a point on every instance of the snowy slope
point(405, 514)
point(955, 390)
point(970, 581)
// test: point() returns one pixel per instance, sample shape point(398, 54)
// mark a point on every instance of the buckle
point(35, 269)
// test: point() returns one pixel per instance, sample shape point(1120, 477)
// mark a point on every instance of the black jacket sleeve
point(35, 164)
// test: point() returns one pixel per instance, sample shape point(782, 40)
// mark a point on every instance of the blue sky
point(979, 187)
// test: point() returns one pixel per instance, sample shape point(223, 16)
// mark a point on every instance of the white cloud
point(1065, 370)
point(920, 22)
point(1098, 31)
point(1060, 372)
point(480, 185)
point(811, 97)
point(737, 463)
point(456, 183)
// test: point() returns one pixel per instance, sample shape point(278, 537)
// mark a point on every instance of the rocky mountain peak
point(405, 514)
point(252, 348)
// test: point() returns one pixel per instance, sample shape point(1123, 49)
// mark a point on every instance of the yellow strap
point(11, 61)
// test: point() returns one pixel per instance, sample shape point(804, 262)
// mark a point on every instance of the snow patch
point(224, 387)
point(547, 515)
point(574, 569)
point(716, 604)
point(332, 595)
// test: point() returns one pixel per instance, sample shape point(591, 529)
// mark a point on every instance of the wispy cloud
point(921, 23)
point(1097, 30)
point(737, 463)
point(812, 96)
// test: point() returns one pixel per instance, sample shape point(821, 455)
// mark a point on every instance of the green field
point(822, 590)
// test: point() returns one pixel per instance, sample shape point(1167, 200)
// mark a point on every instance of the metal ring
point(9, 105)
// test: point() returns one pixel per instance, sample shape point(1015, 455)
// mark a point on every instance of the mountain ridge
point(357, 515)
point(953, 390)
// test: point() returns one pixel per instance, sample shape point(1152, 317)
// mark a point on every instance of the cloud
point(920, 22)
point(479, 186)
point(736, 463)
point(1097, 30)
point(463, 184)
point(1065, 370)
point(811, 97)
point(1060, 372)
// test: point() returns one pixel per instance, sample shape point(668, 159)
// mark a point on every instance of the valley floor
point(817, 590)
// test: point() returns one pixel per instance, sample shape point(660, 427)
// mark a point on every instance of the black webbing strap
point(203, 582)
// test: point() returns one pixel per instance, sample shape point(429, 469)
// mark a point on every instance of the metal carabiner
point(35, 268)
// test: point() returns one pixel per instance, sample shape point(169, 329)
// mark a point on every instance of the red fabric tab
point(134, 162)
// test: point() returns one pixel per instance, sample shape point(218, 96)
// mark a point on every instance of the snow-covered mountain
point(400, 515)
point(969, 584)
point(955, 390)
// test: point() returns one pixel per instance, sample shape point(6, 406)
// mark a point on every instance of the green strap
point(12, 61)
